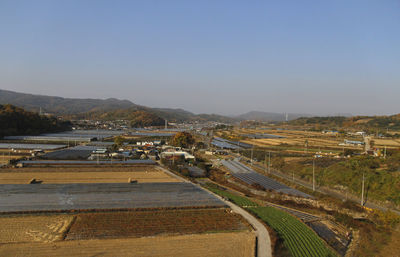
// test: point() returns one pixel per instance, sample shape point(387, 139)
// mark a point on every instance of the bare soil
point(64, 175)
point(213, 245)
point(150, 223)
point(33, 228)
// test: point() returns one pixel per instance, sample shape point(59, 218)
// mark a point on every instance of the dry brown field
point(155, 222)
point(239, 244)
point(392, 249)
point(315, 139)
point(5, 158)
point(19, 229)
point(55, 175)
point(387, 142)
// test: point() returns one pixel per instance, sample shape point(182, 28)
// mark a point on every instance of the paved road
point(263, 240)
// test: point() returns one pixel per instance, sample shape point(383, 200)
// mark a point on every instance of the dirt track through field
point(240, 244)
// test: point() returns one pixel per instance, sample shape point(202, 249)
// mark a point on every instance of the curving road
point(263, 240)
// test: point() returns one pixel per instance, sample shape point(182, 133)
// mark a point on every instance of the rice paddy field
point(238, 244)
point(19, 229)
point(315, 139)
point(179, 232)
point(65, 175)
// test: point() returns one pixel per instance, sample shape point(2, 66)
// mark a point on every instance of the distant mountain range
point(59, 105)
point(270, 116)
point(107, 109)
point(111, 108)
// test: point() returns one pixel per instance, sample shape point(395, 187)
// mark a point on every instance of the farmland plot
point(298, 238)
point(22, 177)
point(150, 223)
point(104, 196)
point(33, 228)
point(238, 244)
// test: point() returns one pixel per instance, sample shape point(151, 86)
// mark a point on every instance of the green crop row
point(299, 239)
point(238, 200)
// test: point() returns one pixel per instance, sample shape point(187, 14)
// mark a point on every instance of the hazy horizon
point(222, 57)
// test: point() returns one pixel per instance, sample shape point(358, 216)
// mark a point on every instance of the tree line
point(17, 121)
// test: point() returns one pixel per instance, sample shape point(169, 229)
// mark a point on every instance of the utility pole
point(362, 189)
point(269, 162)
point(252, 155)
point(265, 163)
point(384, 154)
point(313, 174)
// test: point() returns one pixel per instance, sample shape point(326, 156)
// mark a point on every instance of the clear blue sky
point(227, 57)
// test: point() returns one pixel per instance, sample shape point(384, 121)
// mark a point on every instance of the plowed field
point(150, 223)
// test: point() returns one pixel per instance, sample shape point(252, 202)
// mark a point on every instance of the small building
point(173, 154)
point(353, 142)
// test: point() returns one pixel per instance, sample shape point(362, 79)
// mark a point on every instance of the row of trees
point(17, 121)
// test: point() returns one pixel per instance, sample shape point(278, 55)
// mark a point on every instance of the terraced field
point(298, 238)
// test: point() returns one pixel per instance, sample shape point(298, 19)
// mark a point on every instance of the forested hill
point(73, 108)
point(358, 122)
point(136, 117)
point(17, 121)
point(60, 105)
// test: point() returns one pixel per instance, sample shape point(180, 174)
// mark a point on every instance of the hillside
point(138, 117)
point(368, 123)
point(17, 121)
point(269, 116)
point(107, 109)
point(59, 105)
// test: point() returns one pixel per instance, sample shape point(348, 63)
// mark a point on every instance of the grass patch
point(238, 200)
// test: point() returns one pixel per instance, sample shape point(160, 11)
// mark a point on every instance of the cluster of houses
point(142, 150)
